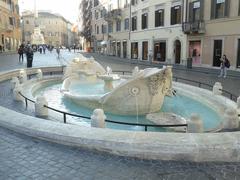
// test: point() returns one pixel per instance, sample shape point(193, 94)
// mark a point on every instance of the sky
point(67, 8)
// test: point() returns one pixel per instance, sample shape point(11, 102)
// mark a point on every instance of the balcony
point(113, 15)
point(196, 27)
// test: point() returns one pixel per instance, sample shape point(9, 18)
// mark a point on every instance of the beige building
point(55, 28)
point(10, 32)
point(147, 30)
point(213, 29)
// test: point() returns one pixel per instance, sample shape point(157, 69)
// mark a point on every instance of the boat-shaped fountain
point(141, 93)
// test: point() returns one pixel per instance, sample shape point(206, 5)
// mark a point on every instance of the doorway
point(217, 52)
point(177, 50)
point(160, 51)
point(118, 49)
point(124, 44)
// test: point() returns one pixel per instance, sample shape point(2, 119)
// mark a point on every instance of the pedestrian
point(44, 49)
point(225, 64)
point(1, 49)
point(58, 52)
point(20, 53)
point(29, 54)
point(158, 56)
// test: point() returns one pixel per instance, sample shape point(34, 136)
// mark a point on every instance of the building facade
point(147, 30)
point(55, 29)
point(10, 31)
point(212, 28)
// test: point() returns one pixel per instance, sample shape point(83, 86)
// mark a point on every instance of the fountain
point(146, 96)
point(149, 86)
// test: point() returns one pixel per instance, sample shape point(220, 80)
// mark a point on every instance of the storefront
point(195, 52)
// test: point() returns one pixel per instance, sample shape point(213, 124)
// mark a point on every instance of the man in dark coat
point(29, 54)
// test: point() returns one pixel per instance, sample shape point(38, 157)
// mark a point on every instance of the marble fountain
point(146, 96)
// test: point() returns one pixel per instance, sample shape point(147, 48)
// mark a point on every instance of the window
point(126, 24)
point(118, 26)
point(104, 29)
point(95, 3)
point(97, 29)
point(134, 50)
point(110, 27)
point(125, 3)
point(102, 13)
point(159, 18)
point(219, 9)
point(133, 2)
point(176, 15)
point(144, 50)
point(27, 22)
point(10, 20)
point(96, 14)
point(144, 21)
point(134, 23)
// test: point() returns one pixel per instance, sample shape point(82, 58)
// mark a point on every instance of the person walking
point(225, 64)
point(29, 54)
point(20, 53)
point(58, 52)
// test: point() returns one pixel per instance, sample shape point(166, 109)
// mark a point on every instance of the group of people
point(29, 54)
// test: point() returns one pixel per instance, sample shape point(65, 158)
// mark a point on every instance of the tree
point(85, 17)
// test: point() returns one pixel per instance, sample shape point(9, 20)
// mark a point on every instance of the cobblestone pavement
point(23, 157)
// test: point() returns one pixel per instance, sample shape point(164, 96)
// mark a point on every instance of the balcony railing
point(113, 15)
point(196, 27)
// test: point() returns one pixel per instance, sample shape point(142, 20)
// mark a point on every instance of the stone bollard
point(135, 71)
point(231, 120)
point(217, 88)
point(40, 110)
point(195, 125)
point(39, 74)
point(14, 82)
point(22, 76)
point(98, 118)
point(238, 102)
point(16, 95)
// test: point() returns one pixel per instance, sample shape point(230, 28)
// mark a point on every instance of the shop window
point(134, 50)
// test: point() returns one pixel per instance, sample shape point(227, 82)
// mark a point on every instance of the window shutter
point(213, 9)
point(190, 15)
point(201, 9)
point(226, 8)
